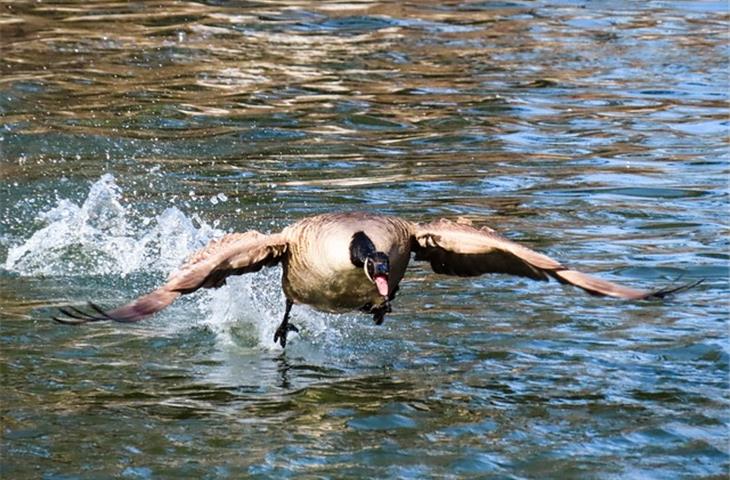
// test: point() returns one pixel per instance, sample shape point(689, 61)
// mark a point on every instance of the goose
point(338, 262)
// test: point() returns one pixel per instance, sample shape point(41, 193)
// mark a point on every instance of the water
point(132, 134)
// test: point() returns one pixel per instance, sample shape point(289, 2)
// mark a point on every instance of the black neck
point(361, 247)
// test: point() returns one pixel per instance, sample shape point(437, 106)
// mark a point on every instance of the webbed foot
point(379, 313)
point(285, 327)
point(283, 331)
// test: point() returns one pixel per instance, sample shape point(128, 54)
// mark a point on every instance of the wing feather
point(461, 249)
point(232, 254)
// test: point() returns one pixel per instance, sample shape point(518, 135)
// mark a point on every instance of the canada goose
point(343, 261)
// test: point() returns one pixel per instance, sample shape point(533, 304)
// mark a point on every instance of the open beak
point(381, 283)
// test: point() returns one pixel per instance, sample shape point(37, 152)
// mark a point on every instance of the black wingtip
point(75, 316)
point(665, 292)
point(74, 313)
point(101, 312)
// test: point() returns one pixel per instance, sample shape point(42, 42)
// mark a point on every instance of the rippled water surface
point(134, 132)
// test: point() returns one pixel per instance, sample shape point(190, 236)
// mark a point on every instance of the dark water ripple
point(598, 135)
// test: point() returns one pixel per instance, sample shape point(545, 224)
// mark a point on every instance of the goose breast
point(318, 270)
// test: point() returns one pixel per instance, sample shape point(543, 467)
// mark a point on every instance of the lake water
point(133, 133)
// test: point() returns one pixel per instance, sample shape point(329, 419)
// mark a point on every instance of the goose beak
point(381, 282)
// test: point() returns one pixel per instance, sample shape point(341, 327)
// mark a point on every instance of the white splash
point(99, 237)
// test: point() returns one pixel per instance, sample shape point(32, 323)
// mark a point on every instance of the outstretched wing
point(232, 254)
point(460, 249)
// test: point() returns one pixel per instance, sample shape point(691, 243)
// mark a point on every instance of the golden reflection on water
point(106, 65)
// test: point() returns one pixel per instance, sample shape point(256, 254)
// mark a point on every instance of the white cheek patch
point(365, 268)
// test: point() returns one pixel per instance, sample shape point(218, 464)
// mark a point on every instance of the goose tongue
point(381, 282)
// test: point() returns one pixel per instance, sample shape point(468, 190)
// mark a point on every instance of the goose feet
point(282, 331)
point(285, 327)
point(379, 313)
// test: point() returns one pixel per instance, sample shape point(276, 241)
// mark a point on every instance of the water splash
point(248, 309)
point(98, 238)
point(104, 237)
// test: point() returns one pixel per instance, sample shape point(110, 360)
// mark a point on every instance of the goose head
point(375, 264)
point(376, 268)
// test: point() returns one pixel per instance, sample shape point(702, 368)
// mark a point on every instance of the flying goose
point(338, 262)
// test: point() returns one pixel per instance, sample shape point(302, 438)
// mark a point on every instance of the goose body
point(318, 270)
point(338, 262)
